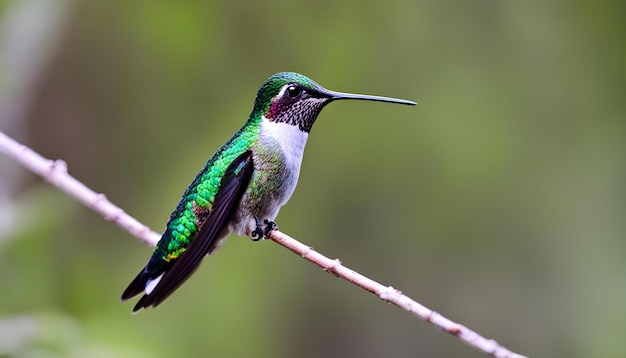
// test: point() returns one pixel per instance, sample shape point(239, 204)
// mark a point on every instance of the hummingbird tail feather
point(137, 286)
point(151, 284)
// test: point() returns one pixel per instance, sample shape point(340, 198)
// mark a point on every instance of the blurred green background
point(499, 201)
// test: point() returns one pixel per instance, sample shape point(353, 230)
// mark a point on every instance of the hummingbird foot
point(269, 227)
point(263, 233)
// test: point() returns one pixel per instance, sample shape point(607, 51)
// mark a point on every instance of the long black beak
point(364, 97)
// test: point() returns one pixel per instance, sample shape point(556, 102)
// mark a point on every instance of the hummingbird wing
point(232, 187)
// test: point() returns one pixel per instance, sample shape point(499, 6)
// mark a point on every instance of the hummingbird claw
point(260, 232)
point(257, 234)
point(269, 227)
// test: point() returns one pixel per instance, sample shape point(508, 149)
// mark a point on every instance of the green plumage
point(200, 194)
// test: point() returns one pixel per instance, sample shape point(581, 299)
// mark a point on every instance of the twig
point(55, 172)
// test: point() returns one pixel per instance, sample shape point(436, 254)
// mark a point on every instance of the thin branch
point(55, 172)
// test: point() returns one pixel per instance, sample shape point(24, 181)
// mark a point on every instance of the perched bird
point(242, 186)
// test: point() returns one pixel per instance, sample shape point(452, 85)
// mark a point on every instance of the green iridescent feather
point(184, 222)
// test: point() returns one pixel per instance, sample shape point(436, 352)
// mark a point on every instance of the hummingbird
point(242, 186)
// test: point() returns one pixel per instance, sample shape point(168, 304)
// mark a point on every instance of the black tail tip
point(137, 286)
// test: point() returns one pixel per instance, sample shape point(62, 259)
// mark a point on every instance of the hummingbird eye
point(294, 91)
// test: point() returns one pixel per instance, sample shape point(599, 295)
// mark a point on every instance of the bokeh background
point(499, 201)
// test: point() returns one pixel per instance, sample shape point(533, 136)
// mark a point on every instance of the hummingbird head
point(295, 99)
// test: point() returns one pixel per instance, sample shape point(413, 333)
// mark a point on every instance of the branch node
point(332, 268)
point(307, 252)
point(388, 293)
point(115, 216)
point(98, 198)
point(58, 167)
point(432, 315)
point(455, 329)
point(54, 169)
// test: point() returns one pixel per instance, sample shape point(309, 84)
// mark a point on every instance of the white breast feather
point(291, 139)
